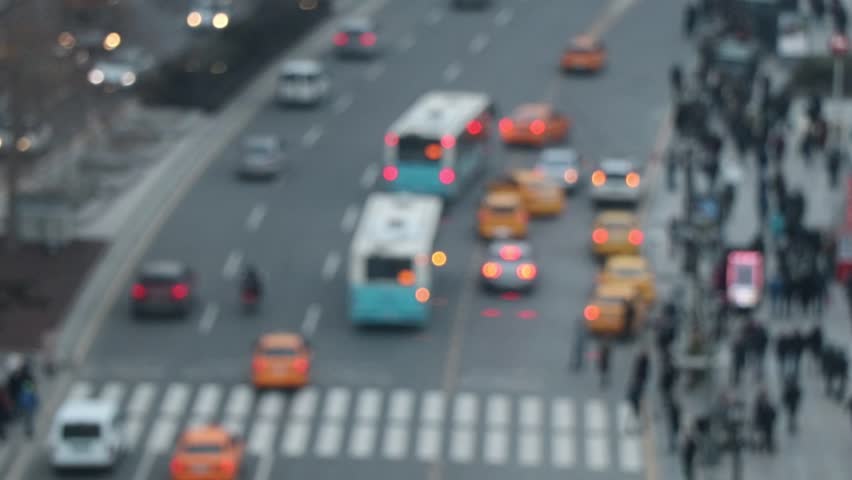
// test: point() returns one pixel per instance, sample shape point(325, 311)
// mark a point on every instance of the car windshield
point(203, 448)
point(300, 77)
point(258, 147)
point(616, 224)
point(280, 352)
point(558, 159)
point(81, 431)
point(627, 272)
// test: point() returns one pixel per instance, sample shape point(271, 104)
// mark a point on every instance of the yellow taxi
point(585, 54)
point(281, 360)
point(614, 309)
point(631, 270)
point(540, 195)
point(207, 453)
point(534, 124)
point(502, 215)
point(616, 232)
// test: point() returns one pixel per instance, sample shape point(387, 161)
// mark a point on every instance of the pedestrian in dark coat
point(814, 342)
point(739, 361)
point(28, 403)
point(668, 379)
point(783, 350)
point(833, 162)
point(690, 18)
point(673, 412)
point(641, 368)
point(6, 411)
point(634, 398)
point(687, 457)
point(603, 363)
point(797, 344)
point(765, 415)
point(792, 397)
point(759, 341)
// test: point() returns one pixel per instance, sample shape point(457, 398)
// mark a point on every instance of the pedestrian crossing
point(368, 424)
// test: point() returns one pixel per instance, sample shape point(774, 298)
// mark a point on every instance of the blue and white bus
point(439, 143)
point(390, 268)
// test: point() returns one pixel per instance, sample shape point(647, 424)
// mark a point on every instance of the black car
point(163, 287)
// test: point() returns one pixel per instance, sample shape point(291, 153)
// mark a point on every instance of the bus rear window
point(81, 431)
point(381, 268)
point(744, 274)
point(413, 149)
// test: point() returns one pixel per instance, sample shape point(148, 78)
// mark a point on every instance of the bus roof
point(397, 225)
point(439, 113)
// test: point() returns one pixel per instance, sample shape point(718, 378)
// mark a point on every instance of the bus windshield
point(414, 149)
point(386, 269)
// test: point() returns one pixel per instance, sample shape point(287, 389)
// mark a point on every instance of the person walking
point(758, 340)
point(792, 397)
point(28, 405)
point(668, 379)
point(765, 415)
point(782, 350)
point(739, 353)
point(797, 343)
point(687, 456)
point(6, 411)
point(673, 412)
point(641, 368)
point(603, 363)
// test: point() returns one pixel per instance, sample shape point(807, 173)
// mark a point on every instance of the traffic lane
point(341, 468)
point(159, 466)
point(40, 469)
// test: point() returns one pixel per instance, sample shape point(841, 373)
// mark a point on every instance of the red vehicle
point(843, 262)
point(744, 279)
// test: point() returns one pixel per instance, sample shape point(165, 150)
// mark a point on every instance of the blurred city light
point(193, 19)
point(112, 41)
point(220, 20)
point(439, 259)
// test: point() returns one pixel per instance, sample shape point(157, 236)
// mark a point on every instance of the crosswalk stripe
point(429, 443)
point(464, 409)
point(432, 410)
point(401, 405)
point(562, 450)
point(531, 412)
point(597, 456)
point(207, 400)
point(271, 405)
point(395, 442)
point(562, 416)
point(529, 449)
point(141, 399)
point(239, 401)
point(113, 392)
point(497, 410)
point(369, 404)
point(162, 435)
point(296, 435)
point(363, 440)
point(80, 390)
point(496, 447)
point(262, 436)
point(630, 448)
point(175, 399)
point(304, 403)
point(462, 445)
point(133, 428)
point(595, 416)
point(329, 439)
point(336, 403)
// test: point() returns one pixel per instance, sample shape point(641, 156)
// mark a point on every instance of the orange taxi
point(585, 54)
point(502, 215)
point(540, 195)
point(534, 124)
point(207, 453)
point(617, 232)
point(631, 270)
point(281, 360)
point(614, 309)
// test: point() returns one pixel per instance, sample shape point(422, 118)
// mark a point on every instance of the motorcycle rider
point(251, 284)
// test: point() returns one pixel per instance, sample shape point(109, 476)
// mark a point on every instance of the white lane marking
point(626, 423)
point(262, 436)
point(434, 16)
point(496, 447)
point(295, 440)
point(407, 42)
point(342, 103)
point(597, 457)
point(304, 404)
point(369, 405)
point(174, 402)
point(464, 409)
point(497, 411)
point(395, 442)
point(613, 13)
point(143, 470)
point(630, 447)
point(311, 136)
point(562, 450)
point(503, 17)
point(368, 178)
point(531, 412)
point(133, 428)
point(207, 400)
point(462, 445)
point(562, 416)
point(595, 416)
point(362, 441)
point(141, 399)
point(330, 265)
point(329, 440)
point(374, 72)
point(239, 401)
point(312, 316)
point(264, 467)
point(336, 404)
point(80, 390)
point(271, 405)
point(350, 218)
point(255, 217)
point(478, 44)
point(529, 449)
point(208, 318)
point(113, 392)
point(429, 443)
point(452, 72)
point(432, 409)
point(232, 264)
point(401, 405)
point(162, 435)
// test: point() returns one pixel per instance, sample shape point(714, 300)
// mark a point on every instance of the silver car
point(616, 180)
point(356, 37)
point(302, 82)
point(509, 266)
point(262, 157)
point(121, 69)
point(561, 165)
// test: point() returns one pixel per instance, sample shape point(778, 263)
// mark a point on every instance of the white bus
point(439, 143)
point(390, 274)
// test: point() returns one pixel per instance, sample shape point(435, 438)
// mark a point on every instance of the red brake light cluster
point(391, 139)
point(368, 39)
point(492, 270)
point(341, 39)
point(390, 173)
point(526, 271)
point(259, 364)
point(592, 312)
point(300, 365)
point(635, 237)
point(177, 466)
point(475, 127)
point(180, 291)
point(448, 141)
point(537, 127)
point(506, 125)
point(138, 292)
point(227, 466)
point(447, 176)
point(600, 235)
point(510, 252)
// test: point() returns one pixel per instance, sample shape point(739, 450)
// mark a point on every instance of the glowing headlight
point(96, 77)
point(220, 20)
point(128, 79)
point(193, 19)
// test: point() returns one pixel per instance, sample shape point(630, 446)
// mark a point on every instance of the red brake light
point(474, 127)
point(598, 178)
point(524, 216)
point(447, 176)
point(138, 291)
point(537, 127)
point(506, 125)
point(368, 39)
point(492, 270)
point(180, 291)
point(300, 365)
point(526, 271)
point(600, 235)
point(591, 312)
point(510, 252)
point(635, 237)
point(391, 139)
point(341, 39)
point(177, 466)
point(448, 141)
point(258, 364)
point(390, 173)
point(227, 465)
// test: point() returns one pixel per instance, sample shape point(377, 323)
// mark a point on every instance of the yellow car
point(616, 232)
point(541, 196)
point(502, 215)
point(631, 270)
point(614, 309)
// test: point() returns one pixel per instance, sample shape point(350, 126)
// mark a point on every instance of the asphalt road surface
point(484, 391)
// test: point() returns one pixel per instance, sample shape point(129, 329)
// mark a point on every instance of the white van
point(86, 434)
point(302, 82)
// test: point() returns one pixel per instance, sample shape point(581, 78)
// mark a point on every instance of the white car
point(86, 433)
point(121, 69)
point(302, 82)
point(262, 157)
point(616, 180)
point(792, 42)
